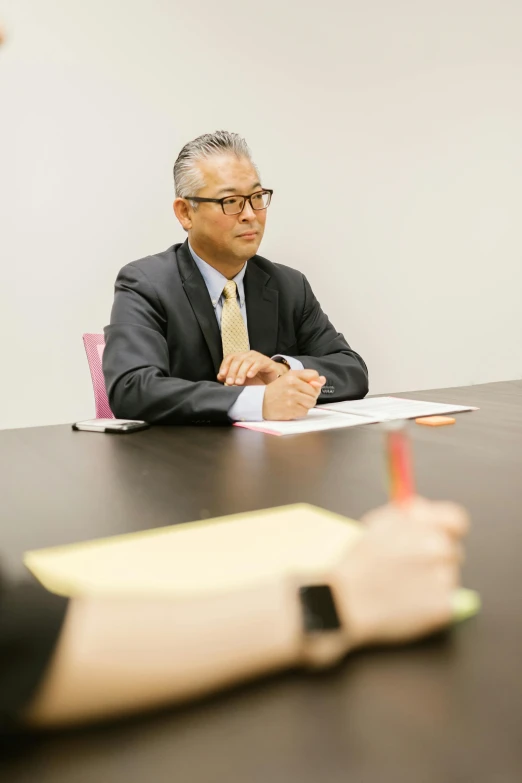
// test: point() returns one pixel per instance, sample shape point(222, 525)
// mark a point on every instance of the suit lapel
point(199, 298)
point(262, 310)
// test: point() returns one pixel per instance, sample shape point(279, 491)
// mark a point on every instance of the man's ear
point(182, 210)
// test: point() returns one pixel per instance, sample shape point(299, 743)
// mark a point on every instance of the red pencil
point(400, 469)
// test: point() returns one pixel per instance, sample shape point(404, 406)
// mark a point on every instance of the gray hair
point(187, 177)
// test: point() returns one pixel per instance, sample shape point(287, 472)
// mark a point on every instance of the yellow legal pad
point(208, 555)
point(204, 556)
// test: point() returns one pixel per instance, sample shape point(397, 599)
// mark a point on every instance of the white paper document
point(317, 419)
point(391, 408)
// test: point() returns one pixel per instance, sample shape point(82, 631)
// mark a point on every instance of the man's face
point(226, 238)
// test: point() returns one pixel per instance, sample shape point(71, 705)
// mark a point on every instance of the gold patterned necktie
point(234, 333)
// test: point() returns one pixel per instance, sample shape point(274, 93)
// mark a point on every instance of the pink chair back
point(94, 345)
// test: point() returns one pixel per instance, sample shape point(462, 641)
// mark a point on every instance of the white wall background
point(390, 131)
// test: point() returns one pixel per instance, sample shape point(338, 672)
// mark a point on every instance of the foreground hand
point(292, 395)
point(238, 369)
point(397, 582)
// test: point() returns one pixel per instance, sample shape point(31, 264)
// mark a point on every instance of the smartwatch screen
point(319, 610)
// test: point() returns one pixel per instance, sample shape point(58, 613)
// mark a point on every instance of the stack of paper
point(354, 413)
point(318, 419)
point(392, 408)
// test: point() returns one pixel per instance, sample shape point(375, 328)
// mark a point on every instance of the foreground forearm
point(116, 656)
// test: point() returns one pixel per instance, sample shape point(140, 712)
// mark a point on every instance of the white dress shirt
point(249, 404)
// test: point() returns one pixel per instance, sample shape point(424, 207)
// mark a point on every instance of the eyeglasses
point(234, 205)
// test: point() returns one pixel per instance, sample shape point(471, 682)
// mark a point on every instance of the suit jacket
point(163, 345)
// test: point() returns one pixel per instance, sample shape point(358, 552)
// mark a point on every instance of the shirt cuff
point(294, 363)
point(249, 405)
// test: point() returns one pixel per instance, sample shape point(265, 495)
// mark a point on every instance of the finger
point(306, 375)
point(452, 555)
point(225, 364)
point(264, 363)
point(438, 546)
point(255, 368)
point(299, 410)
point(303, 400)
point(317, 389)
point(233, 369)
point(441, 613)
point(294, 411)
point(450, 517)
point(231, 358)
point(303, 387)
point(319, 383)
point(448, 577)
point(244, 370)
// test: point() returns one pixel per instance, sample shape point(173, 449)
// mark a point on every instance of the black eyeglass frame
point(221, 201)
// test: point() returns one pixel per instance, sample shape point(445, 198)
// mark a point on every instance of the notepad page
point(200, 557)
point(392, 408)
point(317, 419)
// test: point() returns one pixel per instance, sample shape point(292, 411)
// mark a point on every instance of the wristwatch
point(280, 360)
point(325, 640)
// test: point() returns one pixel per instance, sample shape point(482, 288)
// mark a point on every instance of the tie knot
point(230, 290)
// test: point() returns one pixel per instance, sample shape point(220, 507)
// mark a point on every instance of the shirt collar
point(215, 281)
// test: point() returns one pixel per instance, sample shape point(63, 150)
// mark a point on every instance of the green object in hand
point(466, 604)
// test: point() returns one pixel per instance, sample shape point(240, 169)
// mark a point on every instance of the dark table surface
point(448, 709)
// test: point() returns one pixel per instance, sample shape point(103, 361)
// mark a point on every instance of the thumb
point(307, 375)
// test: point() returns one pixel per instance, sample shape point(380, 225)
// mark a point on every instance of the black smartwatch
point(319, 609)
point(325, 641)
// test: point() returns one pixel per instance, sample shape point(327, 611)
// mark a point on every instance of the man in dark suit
point(208, 331)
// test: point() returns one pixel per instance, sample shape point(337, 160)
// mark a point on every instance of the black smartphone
point(110, 425)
